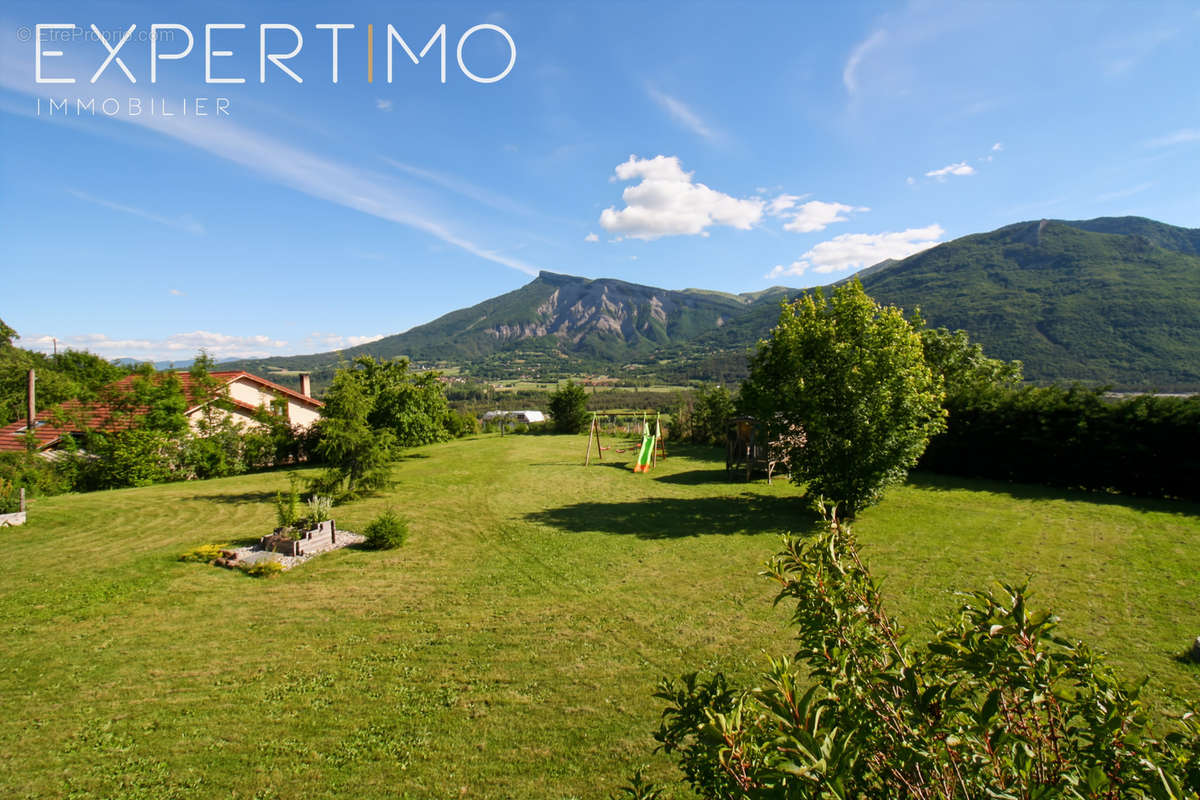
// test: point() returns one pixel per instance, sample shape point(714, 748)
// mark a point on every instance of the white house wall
point(254, 394)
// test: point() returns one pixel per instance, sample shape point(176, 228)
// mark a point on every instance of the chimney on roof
point(31, 400)
point(305, 384)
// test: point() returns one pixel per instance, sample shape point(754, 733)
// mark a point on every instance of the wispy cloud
point(383, 105)
point(591, 237)
point(853, 251)
point(860, 51)
point(185, 223)
point(463, 188)
point(1127, 52)
point(175, 292)
point(292, 166)
point(961, 168)
point(683, 114)
point(1182, 136)
point(1126, 192)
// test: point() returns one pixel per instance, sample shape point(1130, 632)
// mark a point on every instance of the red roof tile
point(107, 415)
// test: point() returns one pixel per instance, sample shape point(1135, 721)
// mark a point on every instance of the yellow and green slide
point(645, 458)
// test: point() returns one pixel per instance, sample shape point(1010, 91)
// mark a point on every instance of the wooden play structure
point(747, 446)
point(593, 435)
point(651, 449)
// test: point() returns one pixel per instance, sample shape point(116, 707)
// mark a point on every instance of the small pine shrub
point(204, 554)
point(262, 569)
point(386, 531)
point(287, 508)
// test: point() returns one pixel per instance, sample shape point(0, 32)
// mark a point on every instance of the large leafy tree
point(410, 405)
point(71, 374)
point(850, 374)
point(357, 456)
point(7, 335)
point(372, 408)
point(965, 370)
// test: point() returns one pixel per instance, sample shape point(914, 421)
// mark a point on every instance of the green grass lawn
point(511, 647)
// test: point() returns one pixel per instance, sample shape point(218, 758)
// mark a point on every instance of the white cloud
point(1177, 137)
point(179, 346)
point(383, 105)
point(667, 203)
point(335, 341)
point(782, 203)
point(176, 292)
point(682, 114)
point(591, 237)
point(850, 72)
point(816, 215)
point(961, 168)
point(997, 147)
point(184, 223)
point(854, 251)
point(910, 180)
point(183, 346)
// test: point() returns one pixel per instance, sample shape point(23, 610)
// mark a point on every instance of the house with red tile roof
point(243, 394)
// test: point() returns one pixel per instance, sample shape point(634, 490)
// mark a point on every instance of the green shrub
point(204, 554)
point(461, 423)
point(701, 417)
point(137, 457)
point(568, 408)
point(386, 531)
point(1073, 437)
point(10, 497)
point(39, 476)
point(997, 704)
point(262, 569)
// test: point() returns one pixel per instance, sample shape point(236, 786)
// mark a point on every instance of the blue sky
point(727, 146)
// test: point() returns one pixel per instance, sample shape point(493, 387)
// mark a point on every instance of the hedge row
point(1074, 438)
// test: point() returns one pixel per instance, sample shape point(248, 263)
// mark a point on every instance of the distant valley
point(1114, 300)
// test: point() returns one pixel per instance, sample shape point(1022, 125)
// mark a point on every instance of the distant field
point(510, 648)
point(550, 386)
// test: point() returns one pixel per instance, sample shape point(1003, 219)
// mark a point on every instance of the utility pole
point(31, 398)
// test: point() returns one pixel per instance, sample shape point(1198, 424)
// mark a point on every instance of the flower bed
point(281, 541)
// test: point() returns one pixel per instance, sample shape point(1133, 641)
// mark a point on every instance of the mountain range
point(1114, 300)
